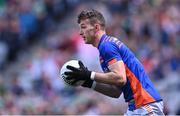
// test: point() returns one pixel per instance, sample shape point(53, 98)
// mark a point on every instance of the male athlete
point(122, 70)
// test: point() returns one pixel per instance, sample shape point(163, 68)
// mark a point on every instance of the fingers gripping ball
point(71, 82)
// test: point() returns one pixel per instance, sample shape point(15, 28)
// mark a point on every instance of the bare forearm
point(109, 90)
point(109, 78)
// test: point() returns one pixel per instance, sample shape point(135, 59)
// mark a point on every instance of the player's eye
point(83, 27)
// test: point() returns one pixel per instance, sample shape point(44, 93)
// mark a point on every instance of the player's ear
point(97, 27)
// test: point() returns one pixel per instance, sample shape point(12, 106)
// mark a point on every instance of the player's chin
point(87, 42)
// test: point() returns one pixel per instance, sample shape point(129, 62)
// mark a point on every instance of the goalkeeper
point(122, 70)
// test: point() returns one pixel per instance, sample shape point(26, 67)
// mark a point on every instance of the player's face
point(87, 31)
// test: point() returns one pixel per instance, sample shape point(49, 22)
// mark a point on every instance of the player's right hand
point(78, 74)
point(82, 73)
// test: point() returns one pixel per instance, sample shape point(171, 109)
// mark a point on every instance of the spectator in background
point(17, 90)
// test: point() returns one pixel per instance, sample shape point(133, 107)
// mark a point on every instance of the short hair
point(94, 16)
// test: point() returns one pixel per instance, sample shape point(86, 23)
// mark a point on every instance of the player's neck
point(98, 38)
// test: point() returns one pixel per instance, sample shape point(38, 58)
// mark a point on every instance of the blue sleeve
point(110, 52)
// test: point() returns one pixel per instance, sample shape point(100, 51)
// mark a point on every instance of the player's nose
point(81, 33)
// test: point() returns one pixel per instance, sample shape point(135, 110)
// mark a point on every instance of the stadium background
point(38, 36)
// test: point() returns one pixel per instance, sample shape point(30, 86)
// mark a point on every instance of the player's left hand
point(81, 73)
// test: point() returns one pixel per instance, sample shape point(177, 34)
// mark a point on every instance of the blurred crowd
point(38, 36)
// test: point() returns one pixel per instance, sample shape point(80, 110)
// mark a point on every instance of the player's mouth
point(84, 38)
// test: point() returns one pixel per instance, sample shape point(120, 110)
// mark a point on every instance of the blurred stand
point(38, 36)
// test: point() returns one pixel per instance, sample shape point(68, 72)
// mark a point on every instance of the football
point(75, 64)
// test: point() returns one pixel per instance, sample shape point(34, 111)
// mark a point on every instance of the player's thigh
point(154, 108)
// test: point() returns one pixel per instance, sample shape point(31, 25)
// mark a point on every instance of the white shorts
point(152, 109)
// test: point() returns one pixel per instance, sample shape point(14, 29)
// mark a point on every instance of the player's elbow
point(116, 96)
point(121, 81)
point(120, 78)
point(116, 92)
